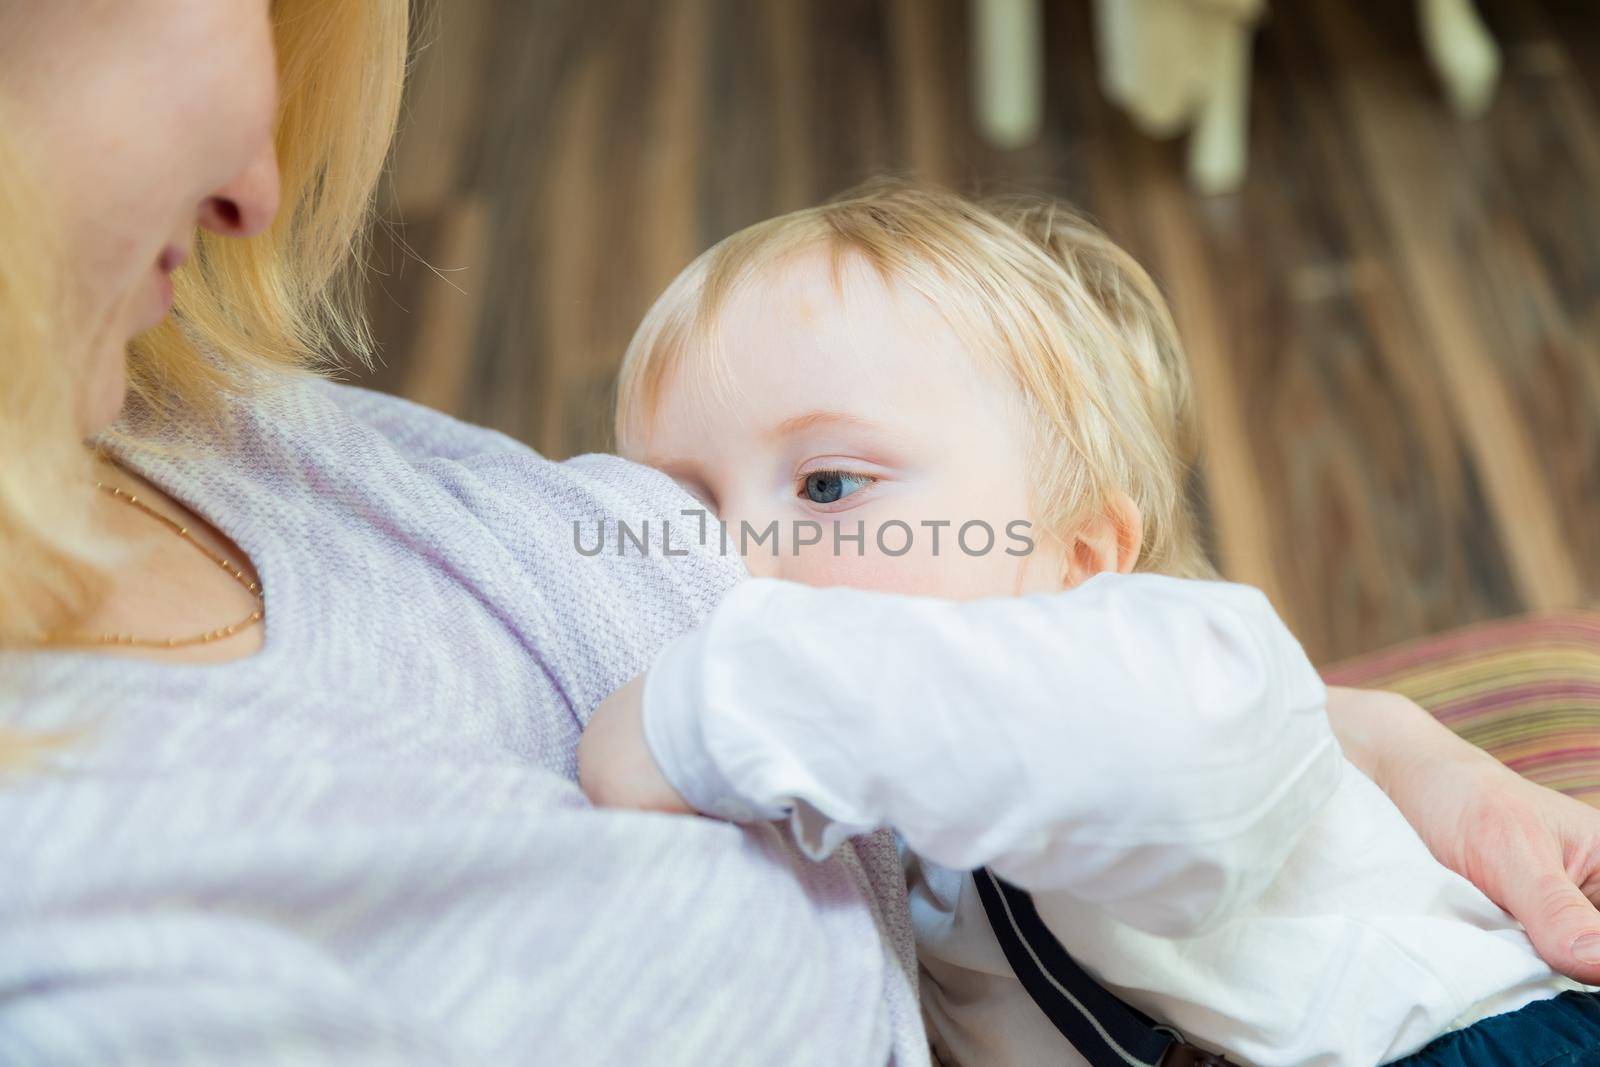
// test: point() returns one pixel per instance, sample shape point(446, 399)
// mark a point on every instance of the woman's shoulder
point(314, 404)
point(412, 427)
point(334, 491)
point(337, 455)
point(426, 433)
point(477, 460)
point(618, 552)
point(304, 419)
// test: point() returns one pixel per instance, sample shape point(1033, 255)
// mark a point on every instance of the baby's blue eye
point(824, 487)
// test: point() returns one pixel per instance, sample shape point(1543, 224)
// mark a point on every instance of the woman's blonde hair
point(287, 300)
point(1068, 317)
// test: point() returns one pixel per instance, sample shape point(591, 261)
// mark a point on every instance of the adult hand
point(1531, 850)
point(615, 767)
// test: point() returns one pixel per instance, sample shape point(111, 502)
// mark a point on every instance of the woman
point(317, 802)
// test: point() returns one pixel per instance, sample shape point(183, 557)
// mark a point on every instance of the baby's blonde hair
point(1068, 317)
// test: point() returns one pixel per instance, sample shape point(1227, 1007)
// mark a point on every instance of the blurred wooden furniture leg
point(1220, 139)
point(1183, 66)
point(1009, 77)
point(1462, 52)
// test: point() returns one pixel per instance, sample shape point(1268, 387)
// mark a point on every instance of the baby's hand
point(615, 767)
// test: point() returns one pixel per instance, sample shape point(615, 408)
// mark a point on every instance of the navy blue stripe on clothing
point(1563, 1031)
point(1104, 1030)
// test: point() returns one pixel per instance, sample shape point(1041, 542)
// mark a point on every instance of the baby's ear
point(1110, 541)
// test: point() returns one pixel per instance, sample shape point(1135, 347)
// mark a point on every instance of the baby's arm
point(1149, 744)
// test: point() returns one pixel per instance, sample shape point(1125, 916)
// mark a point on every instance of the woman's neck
point(164, 587)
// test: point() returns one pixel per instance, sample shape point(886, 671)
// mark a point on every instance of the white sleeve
point(1153, 745)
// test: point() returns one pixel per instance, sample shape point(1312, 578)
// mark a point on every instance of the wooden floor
point(1395, 326)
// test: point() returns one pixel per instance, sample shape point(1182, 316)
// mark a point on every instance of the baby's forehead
point(819, 278)
point(811, 335)
point(819, 311)
point(813, 328)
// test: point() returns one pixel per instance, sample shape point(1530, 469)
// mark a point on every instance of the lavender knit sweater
point(365, 844)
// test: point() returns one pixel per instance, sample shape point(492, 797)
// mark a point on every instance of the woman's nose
point(247, 205)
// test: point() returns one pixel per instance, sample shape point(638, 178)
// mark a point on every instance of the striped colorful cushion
point(1525, 689)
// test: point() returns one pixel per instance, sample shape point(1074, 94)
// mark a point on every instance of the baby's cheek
point(820, 565)
point(919, 571)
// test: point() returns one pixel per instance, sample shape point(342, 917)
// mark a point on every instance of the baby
point(906, 392)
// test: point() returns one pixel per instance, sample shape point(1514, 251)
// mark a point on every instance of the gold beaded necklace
point(128, 640)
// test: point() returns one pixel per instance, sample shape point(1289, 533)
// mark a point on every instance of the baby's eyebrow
point(814, 419)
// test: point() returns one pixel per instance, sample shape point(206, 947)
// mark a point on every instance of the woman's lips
point(172, 257)
point(161, 303)
point(164, 291)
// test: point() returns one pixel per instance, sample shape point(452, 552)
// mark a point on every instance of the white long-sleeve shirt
point(1167, 787)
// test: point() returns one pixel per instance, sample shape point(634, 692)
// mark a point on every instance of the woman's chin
point(105, 391)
